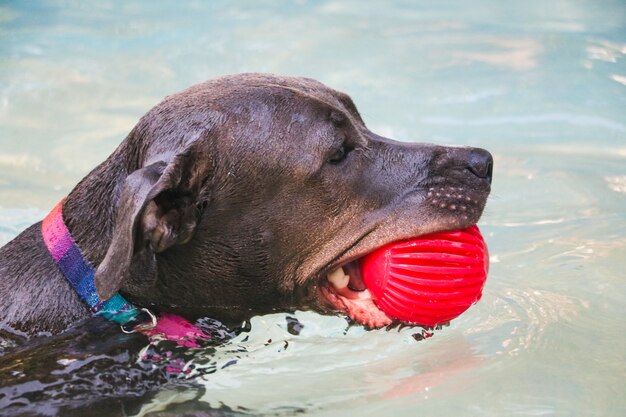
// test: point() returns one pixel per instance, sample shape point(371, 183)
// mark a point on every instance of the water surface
point(541, 84)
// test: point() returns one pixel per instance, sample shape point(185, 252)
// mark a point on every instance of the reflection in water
point(521, 317)
point(516, 54)
point(617, 183)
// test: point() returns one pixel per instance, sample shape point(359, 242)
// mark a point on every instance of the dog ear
point(157, 209)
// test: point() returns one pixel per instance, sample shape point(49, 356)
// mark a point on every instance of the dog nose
point(480, 163)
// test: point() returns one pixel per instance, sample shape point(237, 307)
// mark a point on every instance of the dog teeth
point(338, 278)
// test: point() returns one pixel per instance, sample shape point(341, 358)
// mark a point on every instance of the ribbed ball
point(428, 280)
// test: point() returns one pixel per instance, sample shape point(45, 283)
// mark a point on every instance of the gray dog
point(239, 196)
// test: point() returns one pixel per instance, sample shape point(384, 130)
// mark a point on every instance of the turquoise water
point(541, 84)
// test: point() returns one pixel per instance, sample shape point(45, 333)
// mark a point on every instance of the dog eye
point(339, 155)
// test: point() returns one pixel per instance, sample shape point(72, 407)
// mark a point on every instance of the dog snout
point(480, 163)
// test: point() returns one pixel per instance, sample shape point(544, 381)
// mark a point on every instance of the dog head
point(239, 196)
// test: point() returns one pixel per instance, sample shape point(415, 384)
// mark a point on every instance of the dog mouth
point(344, 289)
point(341, 287)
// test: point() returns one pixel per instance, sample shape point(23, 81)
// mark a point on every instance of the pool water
point(541, 84)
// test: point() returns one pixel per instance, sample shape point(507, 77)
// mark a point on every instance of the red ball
point(430, 279)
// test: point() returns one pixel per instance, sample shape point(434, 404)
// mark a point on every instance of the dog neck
point(93, 202)
point(79, 272)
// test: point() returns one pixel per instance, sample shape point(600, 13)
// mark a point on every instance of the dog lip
point(361, 309)
point(355, 301)
point(358, 304)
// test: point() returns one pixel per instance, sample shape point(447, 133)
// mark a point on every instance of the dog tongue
point(428, 280)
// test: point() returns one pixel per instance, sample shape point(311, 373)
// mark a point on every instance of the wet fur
point(225, 200)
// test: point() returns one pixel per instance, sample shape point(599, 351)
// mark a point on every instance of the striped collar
point(79, 272)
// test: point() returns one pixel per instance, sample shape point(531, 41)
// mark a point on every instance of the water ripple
point(515, 320)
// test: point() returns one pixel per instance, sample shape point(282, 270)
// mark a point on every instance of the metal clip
point(131, 327)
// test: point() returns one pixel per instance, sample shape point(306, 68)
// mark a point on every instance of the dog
point(240, 196)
